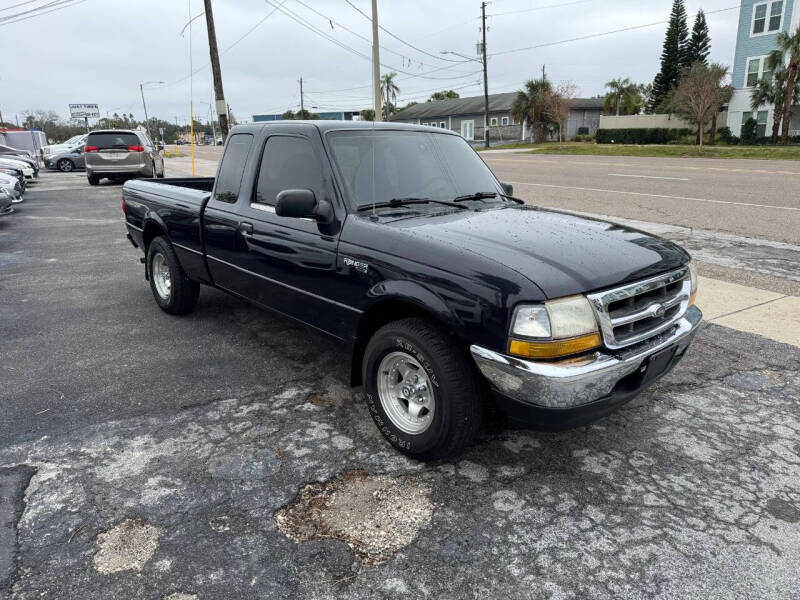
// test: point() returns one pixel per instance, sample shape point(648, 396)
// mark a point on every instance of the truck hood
point(561, 253)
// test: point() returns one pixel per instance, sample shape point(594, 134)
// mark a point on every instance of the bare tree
point(559, 102)
point(701, 94)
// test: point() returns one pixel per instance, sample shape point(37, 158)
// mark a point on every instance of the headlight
point(693, 277)
point(556, 328)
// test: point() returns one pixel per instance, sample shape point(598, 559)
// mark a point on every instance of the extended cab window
point(229, 180)
point(288, 163)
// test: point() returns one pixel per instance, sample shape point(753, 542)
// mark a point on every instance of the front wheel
point(65, 165)
point(421, 389)
point(174, 292)
point(93, 179)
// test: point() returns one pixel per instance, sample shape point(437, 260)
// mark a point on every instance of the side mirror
point(303, 204)
point(508, 189)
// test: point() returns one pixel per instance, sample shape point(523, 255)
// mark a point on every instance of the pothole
point(375, 515)
point(126, 547)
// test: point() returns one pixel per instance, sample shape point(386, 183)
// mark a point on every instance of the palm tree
point(389, 92)
point(623, 97)
point(531, 106)
point(772, 91)
point(789, 45)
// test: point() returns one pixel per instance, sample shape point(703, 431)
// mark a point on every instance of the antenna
point(373, 217)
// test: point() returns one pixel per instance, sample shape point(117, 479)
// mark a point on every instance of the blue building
point(759, 23)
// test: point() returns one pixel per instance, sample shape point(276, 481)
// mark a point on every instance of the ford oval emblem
point(659, 310)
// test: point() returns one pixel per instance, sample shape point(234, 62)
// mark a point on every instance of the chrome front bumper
point(575, 382)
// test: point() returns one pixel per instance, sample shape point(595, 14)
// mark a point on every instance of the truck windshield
point(407, 164)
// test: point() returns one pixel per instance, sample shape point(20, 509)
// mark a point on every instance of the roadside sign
point(83, 111)
point(161, 131)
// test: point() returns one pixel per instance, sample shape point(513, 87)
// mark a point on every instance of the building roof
point(474, 105)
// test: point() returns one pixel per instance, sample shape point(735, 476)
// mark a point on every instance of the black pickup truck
point(399, 241)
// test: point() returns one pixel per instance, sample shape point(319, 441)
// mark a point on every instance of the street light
point(144, 105)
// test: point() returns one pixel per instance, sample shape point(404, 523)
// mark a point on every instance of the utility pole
point(376, 63)
point(302, 105)
point(485, 80)
point(544, 73)
point(215, 70)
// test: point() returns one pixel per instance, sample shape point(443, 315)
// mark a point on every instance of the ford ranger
point(445, 290)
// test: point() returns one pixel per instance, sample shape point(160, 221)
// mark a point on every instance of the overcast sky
point(99, 51)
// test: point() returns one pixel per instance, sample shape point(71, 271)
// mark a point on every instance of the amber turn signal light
point(554, 348)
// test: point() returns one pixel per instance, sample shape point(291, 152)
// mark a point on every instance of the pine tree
point(674, 55)
point(699, 46)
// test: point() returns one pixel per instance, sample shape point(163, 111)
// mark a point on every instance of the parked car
point(119, 154)
point(8, 153)
point(399, 242)
point(24, 169)
point(5, 203)
point(12, 186)
point(76, 140)
point(67, 161)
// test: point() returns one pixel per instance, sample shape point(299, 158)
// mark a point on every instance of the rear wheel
point(174, 292)
point(65, 165)
point(93, 179)
point(421, 389)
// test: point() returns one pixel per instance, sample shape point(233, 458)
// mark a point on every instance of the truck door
point(223, 244)
point(289, 264)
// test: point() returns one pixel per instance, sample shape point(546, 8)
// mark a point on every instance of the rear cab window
point(229, 180)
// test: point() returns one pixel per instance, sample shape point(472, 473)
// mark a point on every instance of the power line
point(605, 33)
point(537, 8)
point(350, 49)
point(16, 5)
point(7, 21)
point(248, 32)
point(364, 38)
point(36, 9)
point(402, 41)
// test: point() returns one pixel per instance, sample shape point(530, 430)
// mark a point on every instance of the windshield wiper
point(406, 201)
point(475, 196)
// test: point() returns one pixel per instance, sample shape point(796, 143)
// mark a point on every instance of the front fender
point(414, 293)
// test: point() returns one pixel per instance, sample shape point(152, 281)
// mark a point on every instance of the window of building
point(761, 120)
point(756, 71)
point(230, 176)
point(468, 130)
point(493, 122)
point(504, 121)
point(767, 17)
point(442, 125)
point(288, 163)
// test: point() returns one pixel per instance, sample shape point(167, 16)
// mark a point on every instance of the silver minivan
point(120, 154)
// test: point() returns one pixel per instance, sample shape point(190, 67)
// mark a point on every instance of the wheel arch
point(153, 227)
point(393, 307)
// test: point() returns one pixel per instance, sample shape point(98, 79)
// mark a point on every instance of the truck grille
point(632, 313)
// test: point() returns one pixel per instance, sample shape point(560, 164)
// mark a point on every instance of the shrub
point(582, 137)
point(725, 134)
point(750, 132)
point(733, 140)
point(639, 136)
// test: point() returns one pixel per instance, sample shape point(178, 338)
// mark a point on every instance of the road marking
point(590, 163)
point(643, 194)
point(648, 177)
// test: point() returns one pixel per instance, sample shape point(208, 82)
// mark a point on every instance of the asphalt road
point(147, 456)
point(750, 198)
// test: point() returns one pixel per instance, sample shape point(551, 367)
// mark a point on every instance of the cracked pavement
point(168, 446)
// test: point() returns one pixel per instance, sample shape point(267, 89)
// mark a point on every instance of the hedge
point(639, 136)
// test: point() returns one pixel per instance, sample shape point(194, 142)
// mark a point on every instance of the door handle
point(246, 228)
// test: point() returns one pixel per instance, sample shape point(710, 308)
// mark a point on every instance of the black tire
point(161, 175)
point(183, 293)
point(93, 179)
point(65, 165)
point(458, 408)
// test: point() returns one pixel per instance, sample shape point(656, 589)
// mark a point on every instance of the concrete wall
point(652, 122)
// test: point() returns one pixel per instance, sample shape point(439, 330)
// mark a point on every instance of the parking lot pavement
point(148, 456)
